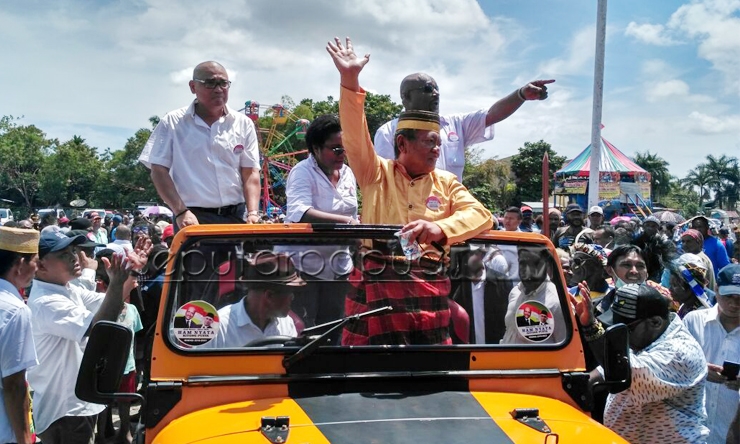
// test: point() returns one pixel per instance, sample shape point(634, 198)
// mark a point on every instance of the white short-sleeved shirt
point(457, 131)
point(17, 350)
point(719, 346)
point(236, 329)
point(308, 187)
point(204, 162)
point(131, 320)
point(61, 316)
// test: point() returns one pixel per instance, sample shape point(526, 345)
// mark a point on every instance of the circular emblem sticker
point(453, 137)
point(196, 323)
point(238, 149)
point(534, 321)
point(433, 203)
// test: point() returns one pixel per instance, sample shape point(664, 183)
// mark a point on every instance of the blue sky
point(100, 69)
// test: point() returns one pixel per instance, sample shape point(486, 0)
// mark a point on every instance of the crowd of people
point(677, 288)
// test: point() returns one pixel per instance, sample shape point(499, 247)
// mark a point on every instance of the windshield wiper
point(312, 346)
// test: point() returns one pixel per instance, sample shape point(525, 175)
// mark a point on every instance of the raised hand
point(536, 89)
point(117, 269)
point(583, 305)
point(347, 62)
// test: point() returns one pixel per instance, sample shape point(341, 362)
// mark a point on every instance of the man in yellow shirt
point(431, 204)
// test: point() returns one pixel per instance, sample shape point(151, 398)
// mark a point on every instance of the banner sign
point(573, 186)
point(609, 190)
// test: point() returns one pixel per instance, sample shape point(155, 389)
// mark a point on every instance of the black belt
point(222, 211)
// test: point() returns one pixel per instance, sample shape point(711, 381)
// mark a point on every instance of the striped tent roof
point(612, 160)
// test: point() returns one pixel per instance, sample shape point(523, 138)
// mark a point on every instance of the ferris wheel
point(280, 143)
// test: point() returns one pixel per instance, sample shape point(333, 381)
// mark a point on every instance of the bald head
point(123, 232)
point(419, 92)
point(204, 69)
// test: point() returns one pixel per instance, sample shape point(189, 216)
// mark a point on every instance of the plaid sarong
point(418, 295)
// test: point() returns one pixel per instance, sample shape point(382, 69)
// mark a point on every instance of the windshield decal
point(534, 321)
point(196, 323)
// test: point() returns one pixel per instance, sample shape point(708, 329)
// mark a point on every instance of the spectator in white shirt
point(665, 401)
point(123, 238)
point(62, 316)
point(271, 280)
point(204, 159)
point(322, 188)
point(18, 259)
point(419, 92)
point(717, 330)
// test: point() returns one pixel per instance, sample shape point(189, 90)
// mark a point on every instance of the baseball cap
point(596, 209)
point(273, 269)
point(80, 223)
point(63, 220)
point(52, 241)
point(526, 208)
point(728, 280)
point(573, 208)
point(88, 243)
point(168, 232)
point(634, 302)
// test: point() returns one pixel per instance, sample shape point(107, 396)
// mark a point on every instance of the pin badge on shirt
point(433, 203)
point(238, 149)
point(453, 137)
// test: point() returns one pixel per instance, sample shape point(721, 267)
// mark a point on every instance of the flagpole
point(593, 175)
point(545, 195)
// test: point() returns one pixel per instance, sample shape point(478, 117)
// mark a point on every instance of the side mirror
point(617, 370)
point(103, 364)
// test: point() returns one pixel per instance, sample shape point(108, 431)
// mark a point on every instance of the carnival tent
point(612, 160)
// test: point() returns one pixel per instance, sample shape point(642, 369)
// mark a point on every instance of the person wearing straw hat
point(62, 316)
point(18, 262)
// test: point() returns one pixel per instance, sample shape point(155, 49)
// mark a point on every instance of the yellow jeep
point(474, 342)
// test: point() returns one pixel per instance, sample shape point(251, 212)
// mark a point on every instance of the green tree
point(723, 173)
point(682, 198)
point(125, 180)
point(699, 178)
point(527, 167)
point(660, 182)
point(70, 172)
point(489, 180)
point(22, 152)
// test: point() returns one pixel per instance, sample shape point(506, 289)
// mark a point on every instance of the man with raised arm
point(419, 92)
point(431, 204)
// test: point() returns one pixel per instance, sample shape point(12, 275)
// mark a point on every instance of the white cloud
point(671, 88)
point(715, 25)
point(578, 57)
point(650, 34)
point(707, 124)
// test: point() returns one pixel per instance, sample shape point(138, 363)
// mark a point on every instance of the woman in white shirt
point(322, 189)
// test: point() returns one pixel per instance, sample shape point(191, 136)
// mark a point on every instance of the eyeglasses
point(337, 150)
point(430, 143)
point(427, 89)
point(213, 83)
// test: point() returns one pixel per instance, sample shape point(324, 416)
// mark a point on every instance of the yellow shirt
point(390, 196)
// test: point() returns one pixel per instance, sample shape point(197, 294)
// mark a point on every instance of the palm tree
point(699, 177)
point(723, 178)
point(660, 181)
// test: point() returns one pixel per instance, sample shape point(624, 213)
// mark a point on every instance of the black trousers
point(70, 430)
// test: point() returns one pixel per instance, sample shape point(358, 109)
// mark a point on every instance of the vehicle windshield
point(3, 213)
point(236, 292)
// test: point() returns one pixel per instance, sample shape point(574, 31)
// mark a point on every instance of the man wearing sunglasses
point(204, 158)
point(419, 91)
point(665, 401)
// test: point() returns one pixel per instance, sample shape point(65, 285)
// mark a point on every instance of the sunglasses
point(213, 83)
point(337, 150)
point(428, 88)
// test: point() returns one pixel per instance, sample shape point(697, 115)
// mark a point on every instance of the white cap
point(595, 209)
